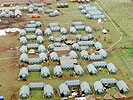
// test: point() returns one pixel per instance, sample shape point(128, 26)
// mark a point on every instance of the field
point(120, 54)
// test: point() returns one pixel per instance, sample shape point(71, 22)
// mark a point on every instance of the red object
point(40, 2)
point(38, 16)
point(44, 2)
point(33, 16)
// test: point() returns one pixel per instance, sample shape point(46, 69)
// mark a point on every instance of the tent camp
point(63, 31)
point(78, 70)
point(36, 86)
point(122, 87)
point(100, 64)
point(73, 83)
point(91, 69)
point(24, 92)
point(48, 32)
point(45, 73)
point(111, 68)
point(23, 74)
point(84, 55)
point(63, 90)
point(54, 56)
point(98, 46)
point(40, 39)
point(73, 30)
point(23, 41)
point(57, 71)
point(23, 49)
point(43, 56)
point(98, 88)
point(108, 82)
point(76, 47)
point(48, 92)
point(34, 68)
point(41, 48)
point(85, 88)
point(73, 55)
point(23, 58)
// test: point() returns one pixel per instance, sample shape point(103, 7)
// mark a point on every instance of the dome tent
point(73, 55)
point(24, 92)
point(24, 58)
point(85, 88)
point(73, 30)
point(48, 32)
point(51, 39)
point(22, 33)
point(91, 69)
point(43, 56)
point(57, 71)
point(40, 39)
point(23, 74)
point(41, 48)
point(23, 49)
point(45, 73)
point(63, 31)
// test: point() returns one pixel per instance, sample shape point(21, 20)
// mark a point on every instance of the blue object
point(1, 98)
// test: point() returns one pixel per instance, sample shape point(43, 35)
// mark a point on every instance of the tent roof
point(90, 97)
point(72, 82)
point(107, 97)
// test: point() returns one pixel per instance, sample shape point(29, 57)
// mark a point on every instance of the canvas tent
point(48, 11)
point(32, 61)
point(91, 69)
point(36, 86)
point(73, 30)
point(81, 27)
point(95, 58)
point(48, 32)
point(78, 70)
point(48, 92)
point(23, 74)
point(103, 53)
point(85, 43)
point(88, 29)
point(85, 88)
point(100, 64)
point(63, 90)
point(40, 10)
point(23, 58)
point(76, 47)
point(24, 92)
point(64, 38)
point(73, 55)
point(22, 33)
point(77, 23)
point(30, 26)
point(38, 32)
point(51, 39)
point(53, 25)
point(67, 66)
point(108, 82)
point(111, 68)
point(96, 17)
point(63, 31)
point(32, 46)
point(34, 68)
point(122, 87)
point(57, 71)
point(84, 55)
point(30, 37)
point(98, 88)
point(41, 48)
point(98, 46)
point(30, 30)
point(43, 56)
point(38, 24)
point(55, 29)
point(23, 49)
point(54, 56)
point(23, 41)
point(73, 83)
point(45, 73)
point(51, 47)
point(40, 39)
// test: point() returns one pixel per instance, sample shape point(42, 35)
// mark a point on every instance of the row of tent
point(84, 38)
point(110, 82)
point(56, 44)
point(80, 26)
point(24, 72)
point(52, 12)
point(48, 91)
point(59, 39)
point(91, 68)
point(91, 12)
point(10, 14)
